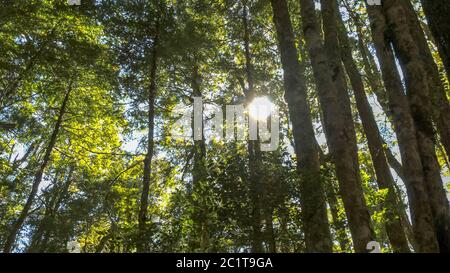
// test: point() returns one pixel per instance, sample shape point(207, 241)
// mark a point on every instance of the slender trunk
point(394, 228)
point(339, 132)
point(254, 153)
point(110, 235)
point(331, 44)
point(314, 214)
point(441, 108)
point(339, 220)
point(406, 134)
point(419, 91)
point(405, 219)
point(269, 232)
point(38, 176)
point(142, 219)
point(394, 163)
point(199, 174)
point(437, 12)
point(376, 86)
point(372, 74)
point(50, 212)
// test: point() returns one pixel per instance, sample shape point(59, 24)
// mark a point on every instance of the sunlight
point(260, 108)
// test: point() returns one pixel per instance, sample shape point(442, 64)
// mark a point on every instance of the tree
point(436, 12)
point(385, 179)
point(419, 92)
point(339, 131)
point(317, 233)
point(406, 132)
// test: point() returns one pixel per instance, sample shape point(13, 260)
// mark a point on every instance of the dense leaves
point(87, 106)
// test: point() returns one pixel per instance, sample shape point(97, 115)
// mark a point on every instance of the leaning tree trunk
point(38, 176)
point(339, 220)
point(339, 131)
point(437, 12)
point(376, 86)
point(394, 227)
point(421, 214)
point(441, 108)
point(419, 91)
point(142, 218)
point(369, 65)
point(46, 225)
point(314, 213)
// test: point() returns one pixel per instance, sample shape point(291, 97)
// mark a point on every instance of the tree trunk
point(437, 12)
point(269, 231)
point(394, 228)
point(314, 213)
point(254, 153)
point(199, 174)
point(405, 130)
point(441, 108)
point(38, 176)
point(394, 163)
point(142, 219)
point(370, 68)
point(339, 132)
point(339, 221)
point(419, 91)
point(47, 222)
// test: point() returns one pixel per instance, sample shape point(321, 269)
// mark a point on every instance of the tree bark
point(339, 132)
point(406, 134)
point(314, 213)
point(339, 221)
point(370, 68)
point(38, 176)
point(394, 228)
point(437, 12)
point(142, 218)
point(254, 153)
point(46, 224)
point(199, 174)
point(419, 90)
point(441, 108)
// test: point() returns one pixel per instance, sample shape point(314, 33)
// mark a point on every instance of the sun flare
point(260, 108)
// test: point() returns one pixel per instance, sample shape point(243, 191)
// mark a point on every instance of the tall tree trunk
point(199, 174)
point(421, 214)
point(370, 68)
point(51, 209)
point(441, 108)
point(339, 221)
point(394, 228)
point(376, 86)
point(394, 163)
point(38, 176)
point(437, 12)
point(314, 213)
point(142, 218)
point(254, 153)
point(269, 231)
point(339, 131)
point(419, 91)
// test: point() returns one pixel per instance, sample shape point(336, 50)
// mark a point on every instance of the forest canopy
point(224, 126)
